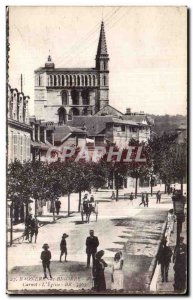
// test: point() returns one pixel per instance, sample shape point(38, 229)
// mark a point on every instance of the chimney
point(128, 111)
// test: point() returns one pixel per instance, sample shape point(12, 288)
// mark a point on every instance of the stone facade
point(61, 93)
point(18, 129)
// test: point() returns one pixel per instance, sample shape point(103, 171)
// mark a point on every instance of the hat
point(65, 235)
point(45, 246)
point(99, 254)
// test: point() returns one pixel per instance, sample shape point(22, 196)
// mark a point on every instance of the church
point(61, 93)
point(72, 105)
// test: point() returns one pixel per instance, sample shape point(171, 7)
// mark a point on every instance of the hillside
point(167, 123)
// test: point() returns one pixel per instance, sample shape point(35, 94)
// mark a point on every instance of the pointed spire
point(102, 46)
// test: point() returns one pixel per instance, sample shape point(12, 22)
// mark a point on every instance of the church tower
point(102, 66)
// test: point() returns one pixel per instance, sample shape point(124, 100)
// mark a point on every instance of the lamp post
point(178, 205)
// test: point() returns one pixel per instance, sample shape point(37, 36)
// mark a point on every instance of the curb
point(153, 264)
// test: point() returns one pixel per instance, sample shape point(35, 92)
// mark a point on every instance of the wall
point(19, 144)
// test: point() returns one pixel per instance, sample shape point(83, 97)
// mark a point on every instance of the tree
point(14, 189)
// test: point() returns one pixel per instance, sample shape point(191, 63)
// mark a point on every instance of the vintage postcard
point(96, 150)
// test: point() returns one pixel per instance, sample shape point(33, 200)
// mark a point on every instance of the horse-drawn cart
point(86, 209)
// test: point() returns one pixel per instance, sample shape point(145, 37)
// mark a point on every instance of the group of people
point(98, 263)
point(179, 259)
point(144, 199)
point(31, 228)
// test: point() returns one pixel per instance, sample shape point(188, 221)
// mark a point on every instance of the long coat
point(91, 244)
point(98, 275)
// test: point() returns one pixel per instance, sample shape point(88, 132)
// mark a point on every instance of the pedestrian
point(180, 261)
point(142, 199)
point(98, 272)
point(158, 196)
point(117, 272)
point(34, 229)
point(113, 195)
point(92, 243)
point(146, 199)
point(63, 247)
point(57, 206)
point(27, 227)
point(46, 257)
point(91, 199)
point(131, 197)
point(164, 259)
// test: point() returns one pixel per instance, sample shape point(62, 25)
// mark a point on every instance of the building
point(61, 93)
point(18, 127)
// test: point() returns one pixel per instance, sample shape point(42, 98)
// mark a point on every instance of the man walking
point(158, 196)
point(63, 247)
point(57, 205)
point(164, 258)
point(146, 199)
point(92, 243)
point(142, 199)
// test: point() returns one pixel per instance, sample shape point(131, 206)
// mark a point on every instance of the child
point(46, 257)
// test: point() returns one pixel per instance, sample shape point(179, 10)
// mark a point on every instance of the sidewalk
point(18, 229)
point(167, 287)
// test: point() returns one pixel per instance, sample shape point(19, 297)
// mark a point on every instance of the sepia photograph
point(96, 150)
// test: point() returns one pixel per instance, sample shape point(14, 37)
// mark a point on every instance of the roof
point(93, 124)
point(109, 110)
point(120, 121)
point(102, 46)
point(97, 124)
point(68, 70)
point(139, 119)
point(63, 132)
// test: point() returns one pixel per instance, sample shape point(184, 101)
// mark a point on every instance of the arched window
point(48, 80)
point(90, 80)
point(64, 95)
point(86, 80)
point(78, 80)
point(85, 111)
point(51, 80)
point(62, 80)
point(59, 81)
point(70, 80)
point(55, 80)
point(73, 112)
point(74, 79)
point(39, 80)
point(85, 97)
point(94, 80)
point(75, 97)
point(82, 80)
point(67, 80)
point(104, 65)
point(62, 115)
point(104, 80)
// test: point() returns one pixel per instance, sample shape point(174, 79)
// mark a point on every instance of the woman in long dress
point(117, 272)
point(98, 272)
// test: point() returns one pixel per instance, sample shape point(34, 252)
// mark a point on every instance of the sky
point(147, 48)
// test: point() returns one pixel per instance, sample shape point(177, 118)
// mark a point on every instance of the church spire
point(102, 47)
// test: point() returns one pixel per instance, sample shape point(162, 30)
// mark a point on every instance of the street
point(134, 230)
